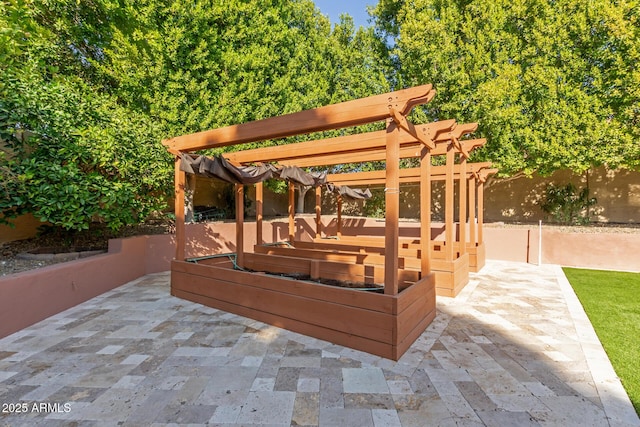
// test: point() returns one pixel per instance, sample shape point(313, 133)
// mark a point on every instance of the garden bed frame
point(383, 324)
point(451, 267)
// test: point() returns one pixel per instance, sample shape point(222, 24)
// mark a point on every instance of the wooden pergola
point(452, 262)
point(384, 324)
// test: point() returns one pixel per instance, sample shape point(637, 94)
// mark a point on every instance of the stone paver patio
point(514, 348)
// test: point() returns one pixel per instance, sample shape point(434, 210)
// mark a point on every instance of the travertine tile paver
point(514, 348)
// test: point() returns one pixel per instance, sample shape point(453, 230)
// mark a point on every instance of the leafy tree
point(90, 87)
point(203, 64)
point(71, 155)
point(552, 84)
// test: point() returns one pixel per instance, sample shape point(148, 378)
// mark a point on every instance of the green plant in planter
point(566, 205)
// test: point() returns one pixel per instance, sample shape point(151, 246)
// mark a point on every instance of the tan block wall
point(617, 192)
point(25, 227)
point(516, 200)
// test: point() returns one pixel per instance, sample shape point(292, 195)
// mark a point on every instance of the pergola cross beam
point(360, 147)
point(335, 116)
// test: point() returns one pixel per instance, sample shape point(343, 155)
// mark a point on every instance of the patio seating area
point(514, 348)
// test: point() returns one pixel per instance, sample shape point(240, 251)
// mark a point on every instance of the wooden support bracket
point(404, 124)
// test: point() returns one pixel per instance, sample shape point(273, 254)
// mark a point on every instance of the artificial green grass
point(611, 299)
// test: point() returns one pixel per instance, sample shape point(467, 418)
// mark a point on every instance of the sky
point(356, 8)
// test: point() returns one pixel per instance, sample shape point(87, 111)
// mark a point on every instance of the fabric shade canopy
point(218, 167)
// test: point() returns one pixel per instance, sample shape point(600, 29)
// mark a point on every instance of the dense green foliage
point(205, 64)
point(89, 88)
point(610, 299)
point(553, 84)
point(72, 154)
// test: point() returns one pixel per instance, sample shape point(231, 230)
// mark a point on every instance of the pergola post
point(449, 204)
point(339, 217)
point(239, 225)
point(189, 191)
point(318, 211)
point(480, 210)
point(472, 210)
point(392, 208)
point(462, 209)
point(180, 182)
point(425, 211)
point(292, 212)
point(259, 208)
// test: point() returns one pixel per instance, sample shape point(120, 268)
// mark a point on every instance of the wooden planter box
point(379, 324)
point(450, 276)
point(477, 256)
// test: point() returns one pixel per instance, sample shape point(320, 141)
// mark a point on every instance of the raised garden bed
point(384, 325)
point(451, 276)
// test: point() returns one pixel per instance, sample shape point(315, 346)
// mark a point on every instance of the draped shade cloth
point(218, 167)
point(350, 193)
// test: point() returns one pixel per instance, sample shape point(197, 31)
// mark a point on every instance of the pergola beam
point(372, 155)
point(339, 145)
point(336, 116)
point(406, 175)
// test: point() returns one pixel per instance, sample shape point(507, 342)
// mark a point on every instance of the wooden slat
point(478, 253)
point(341, 270)
point(364, 154)
point(369, 247)
point(406, 175)
point(424, 303)
point(358, 148)
point(354, 298)
point(350, 257)
point(350, 113)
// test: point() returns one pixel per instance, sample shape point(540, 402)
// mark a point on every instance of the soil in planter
point(331, 282)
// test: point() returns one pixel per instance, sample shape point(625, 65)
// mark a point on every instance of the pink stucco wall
point(28, 297)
